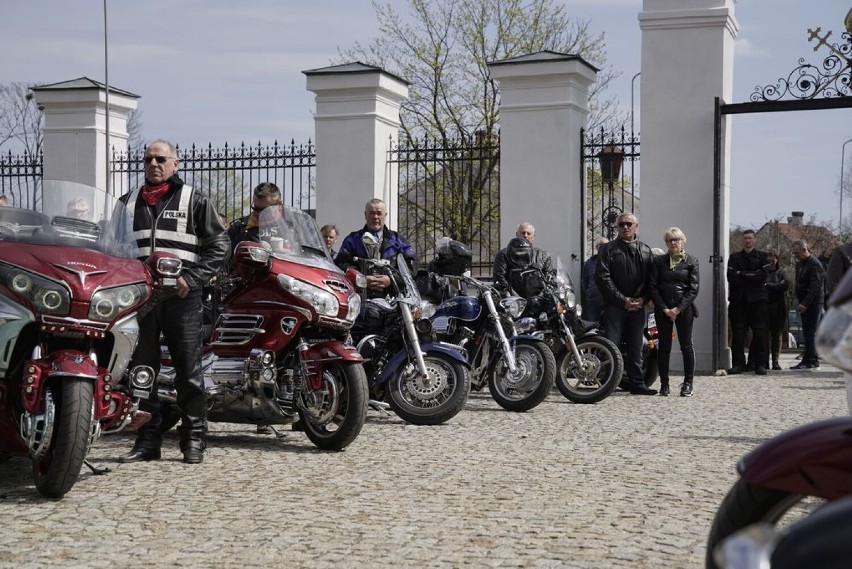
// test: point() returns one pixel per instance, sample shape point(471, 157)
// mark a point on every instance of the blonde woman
point(674, 285)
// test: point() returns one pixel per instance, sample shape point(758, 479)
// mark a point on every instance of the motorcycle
point(518, 369)
point(786, 478)
point(424, 382)
point(71, 290)
point(278, 349)
point(588, 366)
point(820, 540)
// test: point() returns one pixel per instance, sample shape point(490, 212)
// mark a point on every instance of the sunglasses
point(625, 224)
point(159, 159)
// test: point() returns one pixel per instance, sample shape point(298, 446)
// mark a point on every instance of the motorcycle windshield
point(293, 235)
point(71, 215)
point(563, 279)
point(412, 293)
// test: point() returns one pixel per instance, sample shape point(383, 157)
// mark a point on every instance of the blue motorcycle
point(518, 369)
point(422, 381)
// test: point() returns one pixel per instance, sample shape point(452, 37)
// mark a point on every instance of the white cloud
point(746, 49)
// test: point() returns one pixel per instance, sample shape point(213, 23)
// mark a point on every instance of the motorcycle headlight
point(48, 297)
point(513, 305)
point(354, 303)
point(108, 302)
point(323, 301)
point(834, 337)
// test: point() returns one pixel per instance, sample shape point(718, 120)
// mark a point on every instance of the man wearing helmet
point(518, 255)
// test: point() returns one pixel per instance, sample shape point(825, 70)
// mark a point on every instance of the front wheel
point(529, 385)
point(433, 399)
point(58, 467)
point(334, 414)
point(595, 376)
point(748, 504)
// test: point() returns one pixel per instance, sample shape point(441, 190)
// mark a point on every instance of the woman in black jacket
point(673, 286)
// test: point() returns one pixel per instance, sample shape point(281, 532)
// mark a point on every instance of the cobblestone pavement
point(630, 482)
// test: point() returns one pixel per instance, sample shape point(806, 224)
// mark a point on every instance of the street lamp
point(842, 172)
point(610, 158)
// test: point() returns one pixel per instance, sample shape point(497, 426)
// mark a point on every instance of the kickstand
point(380, 406)
point(278, 433)
point(95, 469)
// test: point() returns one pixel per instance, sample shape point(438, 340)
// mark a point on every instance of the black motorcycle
point(588, 366)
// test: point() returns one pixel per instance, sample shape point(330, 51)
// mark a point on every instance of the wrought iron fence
point(449, 188)
point(229, 174)
point(610, 187)
point(20, 178)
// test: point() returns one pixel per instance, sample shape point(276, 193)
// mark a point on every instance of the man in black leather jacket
point(506, 265)
point(167, 215)
point(810, 287)
point(624, 268)
point(747, 298)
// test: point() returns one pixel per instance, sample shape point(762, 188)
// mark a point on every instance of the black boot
point(686, 389)
point(664, 387)
point(148, 440)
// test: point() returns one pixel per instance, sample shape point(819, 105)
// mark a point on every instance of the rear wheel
point(532, 380)
point(334, 414)
point(57, 470)
point(433, 399)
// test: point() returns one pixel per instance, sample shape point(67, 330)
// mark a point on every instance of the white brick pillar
point(544, 103)
point(687, 61)
point(75, 141)
point(357, 117)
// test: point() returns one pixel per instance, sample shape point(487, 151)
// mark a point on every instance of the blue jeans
point(628, 326)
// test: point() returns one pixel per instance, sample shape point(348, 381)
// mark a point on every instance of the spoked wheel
point(334, 414)
point(530, 383)
point(433, 399)
point(748, 504)
point(595, 376)
point(57, 466)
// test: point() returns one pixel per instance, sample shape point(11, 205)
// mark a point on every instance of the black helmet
point(519, 253)
point(454, 257)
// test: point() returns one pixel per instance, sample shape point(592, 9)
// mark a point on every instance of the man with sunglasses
point(623, 271)
point(266, 194)
point(167, 215)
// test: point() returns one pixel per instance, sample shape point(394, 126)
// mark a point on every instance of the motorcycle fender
point(318, 354)
point(404, 355)
point(812, 460)
point(71, 364)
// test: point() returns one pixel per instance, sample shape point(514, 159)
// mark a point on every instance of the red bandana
point(153, 194)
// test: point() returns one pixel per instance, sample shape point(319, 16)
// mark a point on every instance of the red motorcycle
point(277, 352)
point(70, 293)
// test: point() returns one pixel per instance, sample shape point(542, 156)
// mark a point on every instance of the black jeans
point(629, 326)
point(810, 320)
point(743, 316)
point(683, 323)
point(180, 321)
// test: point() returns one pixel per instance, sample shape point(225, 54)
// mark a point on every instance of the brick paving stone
point(632, 482)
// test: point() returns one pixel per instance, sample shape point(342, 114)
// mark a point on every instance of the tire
point(334, 414)
point(435, 400)
point(57, 471)
point(748, 504)
point(601, 371)
point(531, 384)
point(650, 367)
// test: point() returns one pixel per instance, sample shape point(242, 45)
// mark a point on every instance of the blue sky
point(224, 71)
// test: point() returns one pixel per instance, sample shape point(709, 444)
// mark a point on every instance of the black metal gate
point(809, 87)
point(608, 182)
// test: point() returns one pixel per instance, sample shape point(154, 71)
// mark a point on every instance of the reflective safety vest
point(171, 231)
